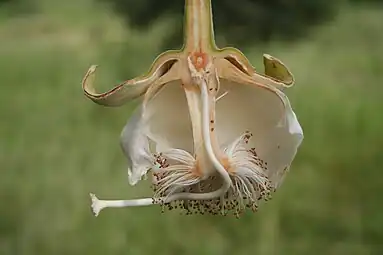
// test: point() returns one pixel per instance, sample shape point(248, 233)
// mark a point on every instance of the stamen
point(221, 96)
point(249, 174)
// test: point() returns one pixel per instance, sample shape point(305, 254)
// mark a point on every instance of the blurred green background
point(57, 146)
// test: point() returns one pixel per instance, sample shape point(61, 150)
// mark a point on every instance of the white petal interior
point(165, 120)
point(261, 112)
point(168, 119)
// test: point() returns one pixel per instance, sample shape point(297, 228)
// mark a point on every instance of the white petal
point(291, 136)
point(168, 119)
point(135, 145)
point(262, 112)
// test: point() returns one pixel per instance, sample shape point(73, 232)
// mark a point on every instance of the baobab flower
point(215, 135)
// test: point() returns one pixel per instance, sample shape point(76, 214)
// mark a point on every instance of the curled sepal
point(277, 75)
point(116, 96)
point(129, 89)
point(275, 69)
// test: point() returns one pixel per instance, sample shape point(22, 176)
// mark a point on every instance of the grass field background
point(56, 146)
